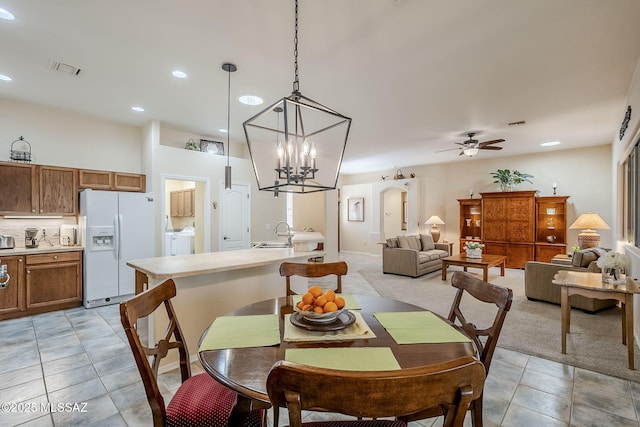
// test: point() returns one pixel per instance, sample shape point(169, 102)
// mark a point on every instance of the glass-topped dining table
point(239, 349)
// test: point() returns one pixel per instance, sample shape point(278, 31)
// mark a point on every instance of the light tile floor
point(80, 357)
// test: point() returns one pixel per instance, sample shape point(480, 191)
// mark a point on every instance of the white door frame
point(207, 205)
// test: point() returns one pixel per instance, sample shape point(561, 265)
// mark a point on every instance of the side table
point(590, 285)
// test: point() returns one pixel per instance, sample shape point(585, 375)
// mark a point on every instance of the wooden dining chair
point(484, 338)
point(288, 269)
point(200, 400)
point(375, 394)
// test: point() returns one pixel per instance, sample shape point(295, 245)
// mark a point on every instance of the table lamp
point(588, 222)
point(434, 221)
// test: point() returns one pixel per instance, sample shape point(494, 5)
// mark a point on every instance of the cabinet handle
point(33, 210)
point(55, 257)
point(28, 271)
point(20, 260)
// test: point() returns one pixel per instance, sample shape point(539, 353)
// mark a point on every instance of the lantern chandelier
point(296, 144)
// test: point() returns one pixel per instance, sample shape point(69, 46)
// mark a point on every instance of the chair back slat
point(142, 305)
point(313, 270)
point(377, 394)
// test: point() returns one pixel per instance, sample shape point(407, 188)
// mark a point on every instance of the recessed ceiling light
point(5, 78)
point(179, 74)
point(550, 143)
point(250, 100)
point(5, 14)
point(222, 130)
point(137, 108)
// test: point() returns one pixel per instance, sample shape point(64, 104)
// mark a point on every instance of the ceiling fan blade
point(448, 149)
point(495, 141)
point(489, 148)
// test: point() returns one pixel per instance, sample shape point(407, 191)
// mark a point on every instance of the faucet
point(275, 231)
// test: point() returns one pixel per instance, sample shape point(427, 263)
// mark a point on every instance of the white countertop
point(214, 262)
point(41, 249)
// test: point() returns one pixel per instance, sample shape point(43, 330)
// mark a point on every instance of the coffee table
point(590, 285)
point(487, 261)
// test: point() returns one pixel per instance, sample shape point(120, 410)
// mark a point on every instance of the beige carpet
point(531, 327)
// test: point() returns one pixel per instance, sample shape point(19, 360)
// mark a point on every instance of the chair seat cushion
point(202, 401)
point(356, 423)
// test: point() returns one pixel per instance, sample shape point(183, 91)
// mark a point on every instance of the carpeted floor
point(531, 327)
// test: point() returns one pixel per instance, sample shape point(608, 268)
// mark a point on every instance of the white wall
point(583, 174)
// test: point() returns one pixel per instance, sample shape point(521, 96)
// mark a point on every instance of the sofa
point(413, 256)
point(538, 278)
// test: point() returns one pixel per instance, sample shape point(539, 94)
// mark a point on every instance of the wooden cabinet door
point(12, 296)
point(189, 202)
point(58, 191)
point(176, 200)
point(494, 215)
point(96, 180)
point(56, 283)
point(129, 182)
point(520, 222)
point(19, 189)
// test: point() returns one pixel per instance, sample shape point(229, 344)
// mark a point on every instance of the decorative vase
point(614, 275)
point(505, 186)
point(468, 221)
point(474, 253)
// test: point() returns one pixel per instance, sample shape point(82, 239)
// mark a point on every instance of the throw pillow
point(414, 243)
point(403, 242)
point(427, 242)
point(392, 243)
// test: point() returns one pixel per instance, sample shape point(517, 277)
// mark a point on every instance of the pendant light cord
point(296, 82)
point(228, 115)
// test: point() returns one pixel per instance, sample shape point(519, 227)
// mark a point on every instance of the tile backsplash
point(16, 227)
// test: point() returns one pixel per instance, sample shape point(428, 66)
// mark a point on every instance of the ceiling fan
point(471, 146)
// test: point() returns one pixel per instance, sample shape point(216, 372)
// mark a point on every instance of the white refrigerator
point(115, 227)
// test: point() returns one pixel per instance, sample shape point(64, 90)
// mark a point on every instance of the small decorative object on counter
point(473, 249)
point(192, 145)
point(614, 266)
point(20, 150)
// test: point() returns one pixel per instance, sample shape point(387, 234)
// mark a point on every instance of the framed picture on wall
point(356, 209)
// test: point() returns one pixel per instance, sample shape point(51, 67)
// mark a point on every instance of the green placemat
point(346, 359)
point(349, 302)
point(419, 327)
point(260, 330)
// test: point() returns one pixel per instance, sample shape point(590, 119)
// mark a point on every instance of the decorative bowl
point(314, 317)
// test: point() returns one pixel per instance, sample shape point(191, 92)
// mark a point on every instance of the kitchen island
point(214, 283)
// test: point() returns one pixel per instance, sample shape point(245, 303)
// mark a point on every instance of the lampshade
point(434, 219)
point(587, 222)
point(471, 151)
point(296, 144)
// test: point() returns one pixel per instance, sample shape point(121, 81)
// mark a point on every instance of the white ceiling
point(414, 75)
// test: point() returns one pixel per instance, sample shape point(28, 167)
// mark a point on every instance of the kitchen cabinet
point(38, 189)
point(182, 202)
point(53, 281)
point(12, 296)
point(551, 227)
point(114, 181)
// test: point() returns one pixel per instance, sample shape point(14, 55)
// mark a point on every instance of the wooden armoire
point(509, 225)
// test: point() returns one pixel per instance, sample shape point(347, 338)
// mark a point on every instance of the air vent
point(521, 122)
point(64, 68)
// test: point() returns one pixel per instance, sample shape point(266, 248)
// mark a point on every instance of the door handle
point(225, 238)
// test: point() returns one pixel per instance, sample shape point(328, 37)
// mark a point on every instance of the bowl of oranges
point(320, 306)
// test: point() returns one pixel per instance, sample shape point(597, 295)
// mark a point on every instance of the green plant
point(507, 178)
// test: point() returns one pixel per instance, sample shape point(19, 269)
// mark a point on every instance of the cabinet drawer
point(53, 257)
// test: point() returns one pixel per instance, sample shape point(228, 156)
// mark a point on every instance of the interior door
point(235, 230)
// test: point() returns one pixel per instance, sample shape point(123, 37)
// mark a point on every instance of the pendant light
point(304, 151)
point(229, 68)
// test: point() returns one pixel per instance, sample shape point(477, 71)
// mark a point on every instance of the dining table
point(240, 348)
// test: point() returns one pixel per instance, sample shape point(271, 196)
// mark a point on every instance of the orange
point(300, 304)
point(307, 307)
point(315, 290)
point(318, 310)
point(307, 298)
point(321, 301)
point(330, 295)
point(339, 302)
point(330, 306)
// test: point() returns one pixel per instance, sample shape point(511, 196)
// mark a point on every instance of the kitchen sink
point(269, 245)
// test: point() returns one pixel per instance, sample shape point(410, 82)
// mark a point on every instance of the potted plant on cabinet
point(508, 179)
